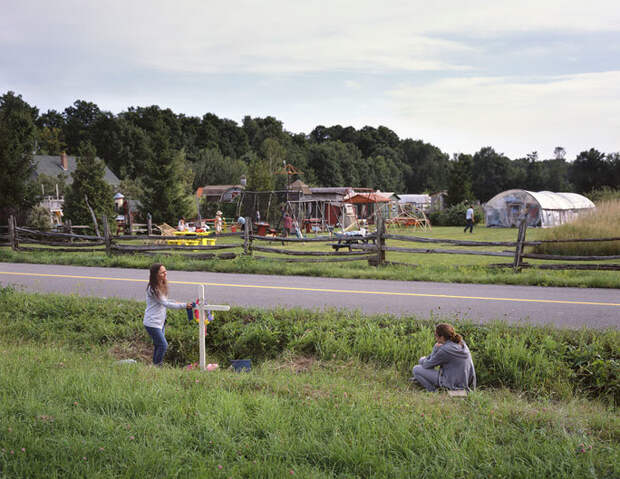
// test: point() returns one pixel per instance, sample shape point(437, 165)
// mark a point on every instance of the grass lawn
point(421, 267)
point(65, 413)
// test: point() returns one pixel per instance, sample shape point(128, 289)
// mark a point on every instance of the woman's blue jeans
point(160, 343)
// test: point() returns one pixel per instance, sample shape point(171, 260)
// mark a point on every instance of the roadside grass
point(414, 267)
point(66, 414)
point(534, 361)
point(327, 397)
point(604, 222)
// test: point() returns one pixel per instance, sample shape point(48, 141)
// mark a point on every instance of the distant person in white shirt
point(181, 226)
point(155, 313)
point(469, 218)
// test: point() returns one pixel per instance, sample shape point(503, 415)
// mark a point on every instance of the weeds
point(602, 223)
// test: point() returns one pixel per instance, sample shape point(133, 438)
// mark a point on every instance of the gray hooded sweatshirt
point(456, 368)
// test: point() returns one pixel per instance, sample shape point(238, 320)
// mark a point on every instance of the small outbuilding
point(543, 208)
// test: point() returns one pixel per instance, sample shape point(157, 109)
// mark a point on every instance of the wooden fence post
point(16, 232)
point(12, 233)
point(516, 265)
point(106, 235)
point(149, 224)
point(92, 213)
point(380, 241)
point(130, 222)
point(246, 236)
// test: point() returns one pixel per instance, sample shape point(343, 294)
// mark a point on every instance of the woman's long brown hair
point(160, 288)
point(447, 331)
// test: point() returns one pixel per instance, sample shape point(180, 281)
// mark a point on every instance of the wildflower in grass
point(84, 458)
point(23, 449)
point(291, 472)
point(12, 451)
point(197, 381)
point(219, 466)
point(131, 438)
point(75, 403)
point(101, 448)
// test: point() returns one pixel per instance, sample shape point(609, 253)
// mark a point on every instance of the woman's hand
point(189, 306)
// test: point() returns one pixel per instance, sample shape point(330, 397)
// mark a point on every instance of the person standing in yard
point(155, 312)
point(218, 222)
point(469, 218)
point(451, 354)
point(288, 224)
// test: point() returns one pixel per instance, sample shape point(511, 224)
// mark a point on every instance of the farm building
point(422, 202)
point(542, 208)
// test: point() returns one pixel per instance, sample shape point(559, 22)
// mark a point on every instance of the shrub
point(455, 215)
point(39, 218)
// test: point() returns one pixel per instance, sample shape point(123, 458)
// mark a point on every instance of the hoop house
point(542, 208)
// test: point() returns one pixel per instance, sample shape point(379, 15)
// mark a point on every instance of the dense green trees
point(17, 139)
point(164, 156)
point(88, 183)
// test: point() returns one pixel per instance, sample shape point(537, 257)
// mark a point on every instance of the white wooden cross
point(202, 325)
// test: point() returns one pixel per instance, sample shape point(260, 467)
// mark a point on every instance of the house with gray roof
point(54, 165)
point(65, 164)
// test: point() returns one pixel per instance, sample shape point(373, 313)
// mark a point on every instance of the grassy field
point(421, 267)
point(327, 397)
point(604, 224)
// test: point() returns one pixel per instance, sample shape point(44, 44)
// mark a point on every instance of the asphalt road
point(563, 307)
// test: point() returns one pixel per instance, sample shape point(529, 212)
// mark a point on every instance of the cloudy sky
point(519, 76)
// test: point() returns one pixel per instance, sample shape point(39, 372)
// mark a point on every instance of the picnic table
point(196, 238)
point(352, 238)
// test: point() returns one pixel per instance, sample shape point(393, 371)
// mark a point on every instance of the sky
point(519, 76)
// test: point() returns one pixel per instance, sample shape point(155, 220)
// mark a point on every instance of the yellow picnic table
point(197, 238)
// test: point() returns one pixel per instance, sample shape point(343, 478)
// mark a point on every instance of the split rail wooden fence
point(23, 239)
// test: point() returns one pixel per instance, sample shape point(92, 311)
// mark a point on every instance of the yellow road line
point(319, 290)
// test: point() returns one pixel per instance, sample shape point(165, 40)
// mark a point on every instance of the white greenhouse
point(542, 208)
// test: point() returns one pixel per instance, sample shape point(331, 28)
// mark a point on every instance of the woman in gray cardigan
point(451, 354)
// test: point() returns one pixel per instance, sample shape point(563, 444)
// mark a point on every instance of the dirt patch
point(139, 350)
point(298, 364)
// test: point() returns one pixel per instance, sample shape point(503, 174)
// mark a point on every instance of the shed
point(542, 208)
point(422, 202)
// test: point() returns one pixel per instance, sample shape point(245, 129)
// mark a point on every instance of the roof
point(414, 199)
point(548, 200)
point(216, 190)
point(299, 185)
point(334, 190)
point(50, 165)
point(368, 198)
point(561, 201)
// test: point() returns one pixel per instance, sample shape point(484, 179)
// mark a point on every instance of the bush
point(39, 218)
point(455, 215)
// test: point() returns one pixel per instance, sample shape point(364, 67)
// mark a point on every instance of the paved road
point(564, 307)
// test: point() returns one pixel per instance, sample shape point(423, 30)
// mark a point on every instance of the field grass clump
point(604, 222)
point(540, 362)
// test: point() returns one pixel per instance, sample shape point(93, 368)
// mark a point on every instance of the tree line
point(162, 157)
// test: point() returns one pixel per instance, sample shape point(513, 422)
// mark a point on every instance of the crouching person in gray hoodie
point(451, 354)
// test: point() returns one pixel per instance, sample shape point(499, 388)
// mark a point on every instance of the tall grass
point(604, 222)
point(540, 362)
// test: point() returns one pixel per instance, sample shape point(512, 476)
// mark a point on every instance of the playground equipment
point(409, 216)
